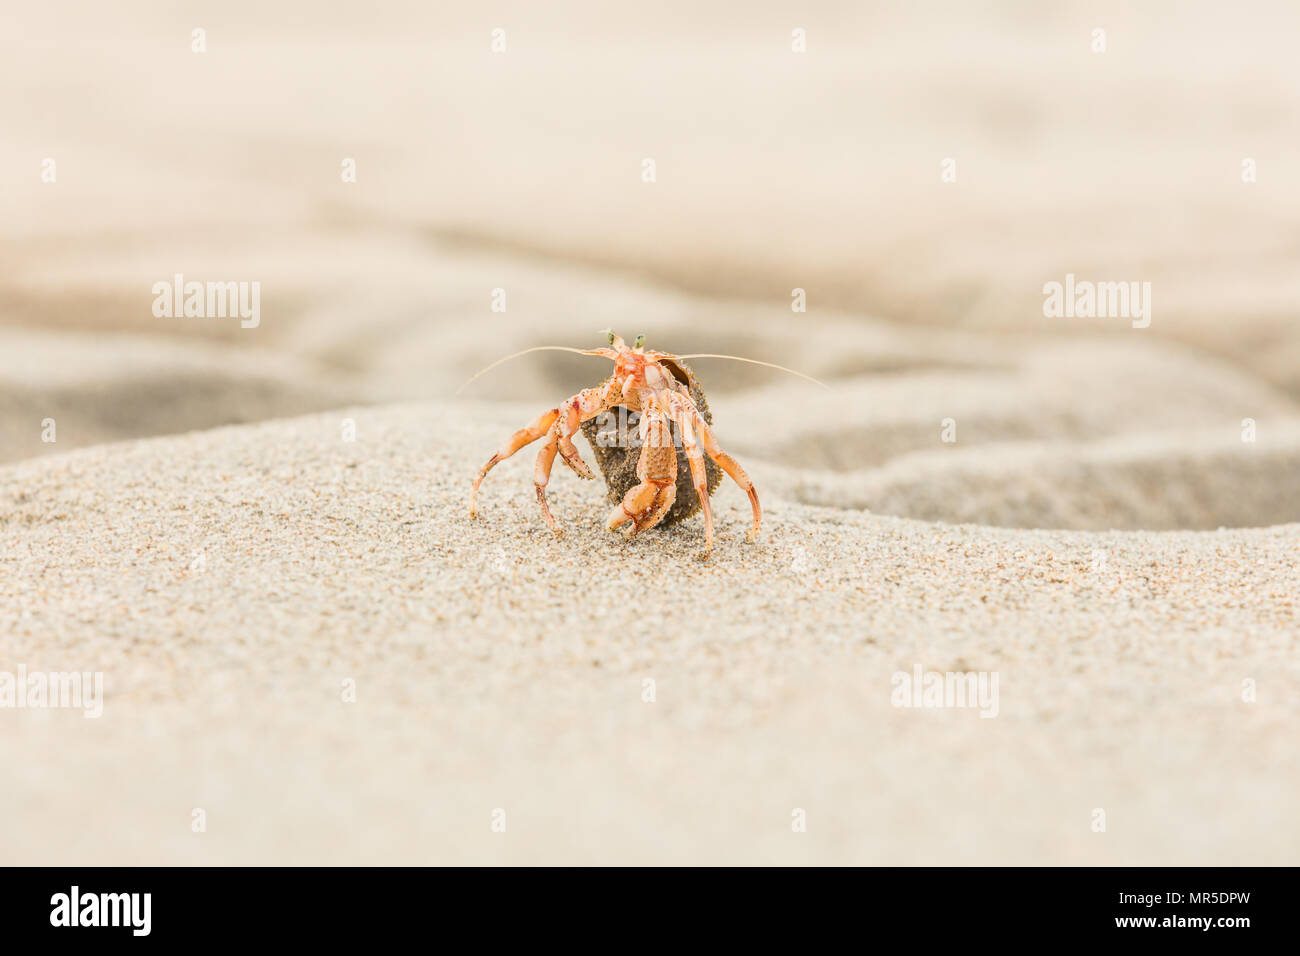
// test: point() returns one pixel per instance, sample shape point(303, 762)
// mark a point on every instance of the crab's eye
point(640, 341)
point(610, 336)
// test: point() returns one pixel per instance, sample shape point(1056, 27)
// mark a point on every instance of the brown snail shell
point(612, 435)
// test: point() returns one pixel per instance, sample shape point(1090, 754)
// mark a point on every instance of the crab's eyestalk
point(639, 342)
point(612, 338)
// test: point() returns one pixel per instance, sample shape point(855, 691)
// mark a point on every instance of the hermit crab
point(654, 385)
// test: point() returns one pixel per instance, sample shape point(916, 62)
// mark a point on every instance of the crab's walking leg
point(587, 404)
point(582, 407)
point(569, 452)
point(542, 475)
point(518, 440)
point(646, 504)
point(731, 467)
point(699, 477)
point(561, 422)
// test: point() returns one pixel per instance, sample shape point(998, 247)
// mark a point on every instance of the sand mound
point(229, 583)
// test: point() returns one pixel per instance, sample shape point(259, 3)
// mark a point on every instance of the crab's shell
point(617, 461)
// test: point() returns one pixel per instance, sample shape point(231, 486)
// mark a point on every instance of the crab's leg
point(587, 404)
point(582, 407)
point(664, 500)
point(569, 452)
point(730, 466)
point(646, 504)
point(518, 440)
point(570, 414)
point(699, 477)
point(542, 475)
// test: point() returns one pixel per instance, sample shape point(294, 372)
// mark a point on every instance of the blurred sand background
point(522, 171)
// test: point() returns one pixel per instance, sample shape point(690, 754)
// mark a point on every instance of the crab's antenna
point(606, 353)
point(738, 358)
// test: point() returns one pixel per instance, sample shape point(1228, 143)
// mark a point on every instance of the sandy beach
point(498, 667)
point(257, 532)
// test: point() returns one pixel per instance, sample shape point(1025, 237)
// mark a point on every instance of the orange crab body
point(642, 385)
